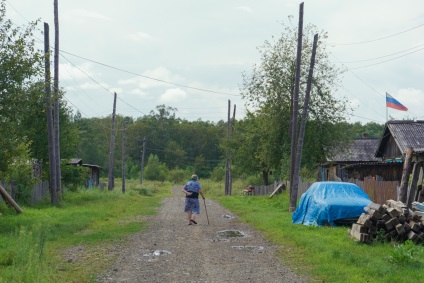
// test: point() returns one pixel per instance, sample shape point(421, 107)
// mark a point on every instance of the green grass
point(79, 238)
point(326, 254)
point(35, 245)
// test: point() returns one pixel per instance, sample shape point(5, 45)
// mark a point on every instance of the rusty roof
point(360, 150)
point(406, 133)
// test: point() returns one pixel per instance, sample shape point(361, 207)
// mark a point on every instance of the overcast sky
point(208, 44)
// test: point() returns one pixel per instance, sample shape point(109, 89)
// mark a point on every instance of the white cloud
point(153, 78)
point(90, 86)
point(140, 36)
point(82, 16)
point(245, 9)
point(70, 72)
point(173, 95)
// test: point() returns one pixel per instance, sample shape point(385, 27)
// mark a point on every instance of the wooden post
point(230, 183)
point(411, 196)
point(143, 151)
point(293, 198)
point(111, 182)
point(405, 175)
point(123, 158)
point(227, 164)
point(51, 144)
point(56, 101)
point(303, 125)
point(10, 200)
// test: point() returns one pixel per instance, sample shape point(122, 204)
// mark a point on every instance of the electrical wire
point(377, 39)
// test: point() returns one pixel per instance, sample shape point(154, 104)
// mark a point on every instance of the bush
point(154, 170)
point(74, 176)
point(177, 176)
point(218, 174)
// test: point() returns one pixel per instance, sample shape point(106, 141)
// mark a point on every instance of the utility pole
point(143, 151)
point(227, 164)
point(56, 99)
point(51, 145)
point(292, 206)
point(124, 152)
point(295, 185)
point(233, 121)
point(111, 180)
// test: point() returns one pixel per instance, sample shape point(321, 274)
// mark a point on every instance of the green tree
point(268, 89)
point(20, 66)
point(155, 170)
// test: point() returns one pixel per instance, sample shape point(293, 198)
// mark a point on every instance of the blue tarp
point(325, 202)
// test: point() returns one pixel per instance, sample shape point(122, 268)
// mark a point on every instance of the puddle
point(228, 216)
point(231, 234)
point(248, 248)
point(158, 253)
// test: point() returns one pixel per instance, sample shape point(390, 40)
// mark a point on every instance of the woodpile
point(391, 221)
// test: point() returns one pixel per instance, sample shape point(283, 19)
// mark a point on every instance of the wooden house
point(404, 140)
point(397, 137)
point(357, 161)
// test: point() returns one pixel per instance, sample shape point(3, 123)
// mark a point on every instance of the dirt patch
point(172, 251)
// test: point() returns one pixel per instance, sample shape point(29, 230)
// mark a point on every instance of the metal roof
point(406, 133)
point(360, 150)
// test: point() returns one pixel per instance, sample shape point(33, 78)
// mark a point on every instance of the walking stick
point(204, 201)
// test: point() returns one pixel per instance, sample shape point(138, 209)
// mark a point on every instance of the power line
point(387, 60)
point(377, 39)
point(376, 58)
point(150, 78)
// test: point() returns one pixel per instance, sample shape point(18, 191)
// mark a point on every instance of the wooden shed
point(94, 175)
point(94, 171)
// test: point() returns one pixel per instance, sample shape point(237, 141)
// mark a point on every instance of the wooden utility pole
point(293, 198)
point(111, 180)
point(295, 185)
point(124, 153)
point(227, 164)
point(233, 121)
point(143, 151)
point(50, 132)
point(56, 100)
point(405, 175)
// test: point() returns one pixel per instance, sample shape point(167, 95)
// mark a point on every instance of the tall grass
point(33, 244)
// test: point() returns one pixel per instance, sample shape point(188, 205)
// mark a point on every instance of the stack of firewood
point(391, 221)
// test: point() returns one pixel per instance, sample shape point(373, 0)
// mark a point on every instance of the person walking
point(192, 189)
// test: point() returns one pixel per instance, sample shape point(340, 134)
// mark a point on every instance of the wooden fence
point(378, 191)
point(40, 191)
point(267, 190)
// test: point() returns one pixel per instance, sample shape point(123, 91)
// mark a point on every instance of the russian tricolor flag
point(393, 103)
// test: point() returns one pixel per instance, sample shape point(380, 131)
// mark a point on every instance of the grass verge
point(77, 239)
point(325, 254)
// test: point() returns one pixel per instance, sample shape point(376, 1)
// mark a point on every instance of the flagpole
point(387, 110)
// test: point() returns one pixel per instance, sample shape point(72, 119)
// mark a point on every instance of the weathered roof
point(75, 161)
point(360, 150)
point(91, 166)
point(406, 133)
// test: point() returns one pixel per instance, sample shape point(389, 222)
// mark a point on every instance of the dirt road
point(172, 251)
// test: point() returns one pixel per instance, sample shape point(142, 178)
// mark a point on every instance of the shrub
point(74, 176)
